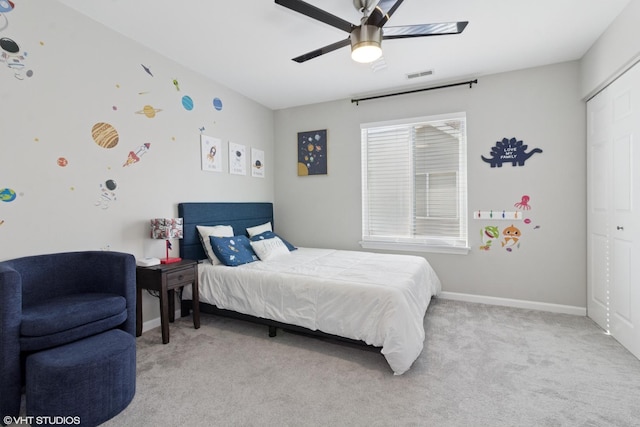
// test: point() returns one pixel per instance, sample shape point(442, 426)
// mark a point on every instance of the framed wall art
point(211, 153)
point(312, 152)
point(257, 163)
point(237, 159)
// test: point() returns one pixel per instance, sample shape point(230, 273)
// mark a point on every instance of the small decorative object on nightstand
point(164, 279)
point(167, 228)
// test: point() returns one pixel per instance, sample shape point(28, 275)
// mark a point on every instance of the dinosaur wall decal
point(509, 151)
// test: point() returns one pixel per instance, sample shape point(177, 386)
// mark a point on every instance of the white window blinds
point(414, 186)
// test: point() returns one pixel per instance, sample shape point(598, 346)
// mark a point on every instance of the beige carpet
point(482, 366)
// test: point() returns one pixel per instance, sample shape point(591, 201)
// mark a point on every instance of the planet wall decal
point(62, 162)
point(105, 135)
point(217, 104)
point(148, 111)
point(6, 6)
point(7, 195)
point(187, 103)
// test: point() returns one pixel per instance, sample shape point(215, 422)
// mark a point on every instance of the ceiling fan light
point(366, 53)
point(365, 43)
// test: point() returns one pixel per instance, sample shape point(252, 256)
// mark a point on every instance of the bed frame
point(240, 216)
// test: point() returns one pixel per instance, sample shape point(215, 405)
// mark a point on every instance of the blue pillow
point(233, 251)
point(271, 235)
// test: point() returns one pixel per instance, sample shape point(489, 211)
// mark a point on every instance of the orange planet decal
point(148, 111)
point(105, 135)
point(62, 162)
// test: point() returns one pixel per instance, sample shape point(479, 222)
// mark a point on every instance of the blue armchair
point(54, 299)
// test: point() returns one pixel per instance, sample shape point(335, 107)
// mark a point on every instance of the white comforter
point(380, 299)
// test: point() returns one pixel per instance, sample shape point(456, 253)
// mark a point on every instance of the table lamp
point(167, 228)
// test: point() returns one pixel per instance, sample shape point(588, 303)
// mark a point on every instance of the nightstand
point(164, 279)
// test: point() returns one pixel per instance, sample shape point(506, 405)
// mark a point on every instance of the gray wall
point(614, 52)
point(540, 106)
point(81, 71)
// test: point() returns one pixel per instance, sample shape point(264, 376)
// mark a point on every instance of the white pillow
point(218, 231)
point(254, 231)
point(269, 248)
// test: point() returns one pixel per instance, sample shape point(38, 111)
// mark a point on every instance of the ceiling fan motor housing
point(366, 38)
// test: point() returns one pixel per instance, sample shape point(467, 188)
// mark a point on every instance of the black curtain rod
point(470, 83)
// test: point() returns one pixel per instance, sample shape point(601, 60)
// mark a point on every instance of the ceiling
point(248, 45)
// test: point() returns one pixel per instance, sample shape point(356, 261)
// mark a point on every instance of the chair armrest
point(10, 307)
point(10, 317)
point(116, 272)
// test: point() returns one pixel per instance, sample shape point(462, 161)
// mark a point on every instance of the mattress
point(380, 299)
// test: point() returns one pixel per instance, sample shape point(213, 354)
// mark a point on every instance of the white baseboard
point(155, 323)
point(480, 299)
point(506, 302)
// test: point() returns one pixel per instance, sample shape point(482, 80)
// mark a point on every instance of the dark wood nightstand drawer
point(180, 277)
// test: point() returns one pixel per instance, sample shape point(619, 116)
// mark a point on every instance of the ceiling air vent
point(419, 74)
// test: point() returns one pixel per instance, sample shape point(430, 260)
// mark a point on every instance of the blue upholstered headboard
point(238, 215)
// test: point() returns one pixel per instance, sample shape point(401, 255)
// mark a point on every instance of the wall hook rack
point(498, 215)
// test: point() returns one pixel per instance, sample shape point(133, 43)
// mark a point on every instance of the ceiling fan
point(365, 39)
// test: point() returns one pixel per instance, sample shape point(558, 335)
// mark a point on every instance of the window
point(414, 184)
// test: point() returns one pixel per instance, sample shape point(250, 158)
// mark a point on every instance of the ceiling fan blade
point(316, 13)
point(383, 11)
point(423, 30)
point(322, 50)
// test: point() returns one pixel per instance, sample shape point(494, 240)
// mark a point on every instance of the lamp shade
point(166, 228)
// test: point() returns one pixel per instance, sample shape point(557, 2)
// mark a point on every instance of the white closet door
point(613, 140)
point(625, 271)
point(599, 201)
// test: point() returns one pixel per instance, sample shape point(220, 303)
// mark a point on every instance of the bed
point(376, 299)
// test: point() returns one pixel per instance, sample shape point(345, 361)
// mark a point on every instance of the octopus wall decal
point(524, 203)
